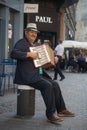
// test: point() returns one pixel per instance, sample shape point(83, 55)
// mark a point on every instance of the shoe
point(62, 78)
point(66, 113)
point(54, 118)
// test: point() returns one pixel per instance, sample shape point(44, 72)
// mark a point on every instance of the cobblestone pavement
point(74, 90)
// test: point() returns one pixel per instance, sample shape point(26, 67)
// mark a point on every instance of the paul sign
point(43, 19)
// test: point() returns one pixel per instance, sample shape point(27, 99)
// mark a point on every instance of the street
point(74, 90)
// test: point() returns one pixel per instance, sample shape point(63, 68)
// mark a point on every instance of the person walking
point(27, 74)
point(59, 51)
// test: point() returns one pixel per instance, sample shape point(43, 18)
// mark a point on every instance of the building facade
point(70, 22)
point(54, 19)
point(81, 18)
point(49, 18)
point(11, 25)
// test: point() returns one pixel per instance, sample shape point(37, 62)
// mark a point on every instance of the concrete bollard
point(25, 100)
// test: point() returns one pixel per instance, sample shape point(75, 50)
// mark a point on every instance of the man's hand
point(33, 55)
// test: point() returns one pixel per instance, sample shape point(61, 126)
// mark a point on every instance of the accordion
point(46, 56)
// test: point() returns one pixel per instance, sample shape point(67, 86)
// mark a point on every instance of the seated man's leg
point(59, 101)
point(47, 92)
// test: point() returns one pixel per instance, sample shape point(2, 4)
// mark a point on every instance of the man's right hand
point(33, 55)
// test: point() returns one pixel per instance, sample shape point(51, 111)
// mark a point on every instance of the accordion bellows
point(45, 56)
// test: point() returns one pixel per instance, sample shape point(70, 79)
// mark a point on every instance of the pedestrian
point(59, 51)
point(28, 74)
point(66, 58)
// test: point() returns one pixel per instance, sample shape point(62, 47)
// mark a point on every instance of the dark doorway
point(49, 37)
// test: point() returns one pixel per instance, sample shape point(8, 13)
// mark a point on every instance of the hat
point(32, 26)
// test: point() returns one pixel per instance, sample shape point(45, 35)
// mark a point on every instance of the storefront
point(48, 18)
point(47, 22)
point(11, 25)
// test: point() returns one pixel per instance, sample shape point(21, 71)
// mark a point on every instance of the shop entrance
point(47, 37)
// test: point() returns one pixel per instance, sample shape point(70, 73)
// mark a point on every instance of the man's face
point(31, 35)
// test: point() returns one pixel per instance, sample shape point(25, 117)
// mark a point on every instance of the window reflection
point(10, 31)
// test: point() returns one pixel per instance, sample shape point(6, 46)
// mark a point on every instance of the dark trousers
point(51, 94)
point(57, 69)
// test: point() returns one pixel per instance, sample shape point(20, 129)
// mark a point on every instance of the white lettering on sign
point(30, 8)
point(43, 19)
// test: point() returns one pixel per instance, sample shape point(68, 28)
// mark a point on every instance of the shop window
point(10, 31)
point(1, 30)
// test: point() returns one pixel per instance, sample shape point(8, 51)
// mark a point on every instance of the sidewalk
point(74, 90)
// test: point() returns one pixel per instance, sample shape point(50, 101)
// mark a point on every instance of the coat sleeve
point(19, 50)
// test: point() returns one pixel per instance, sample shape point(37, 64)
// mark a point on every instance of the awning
point(75, 44)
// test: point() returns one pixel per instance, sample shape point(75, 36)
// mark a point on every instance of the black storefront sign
point(46, 19)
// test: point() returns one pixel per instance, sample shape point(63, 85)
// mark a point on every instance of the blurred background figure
point(59, 52)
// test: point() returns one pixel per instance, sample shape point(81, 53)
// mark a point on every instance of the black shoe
point(62, 78)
